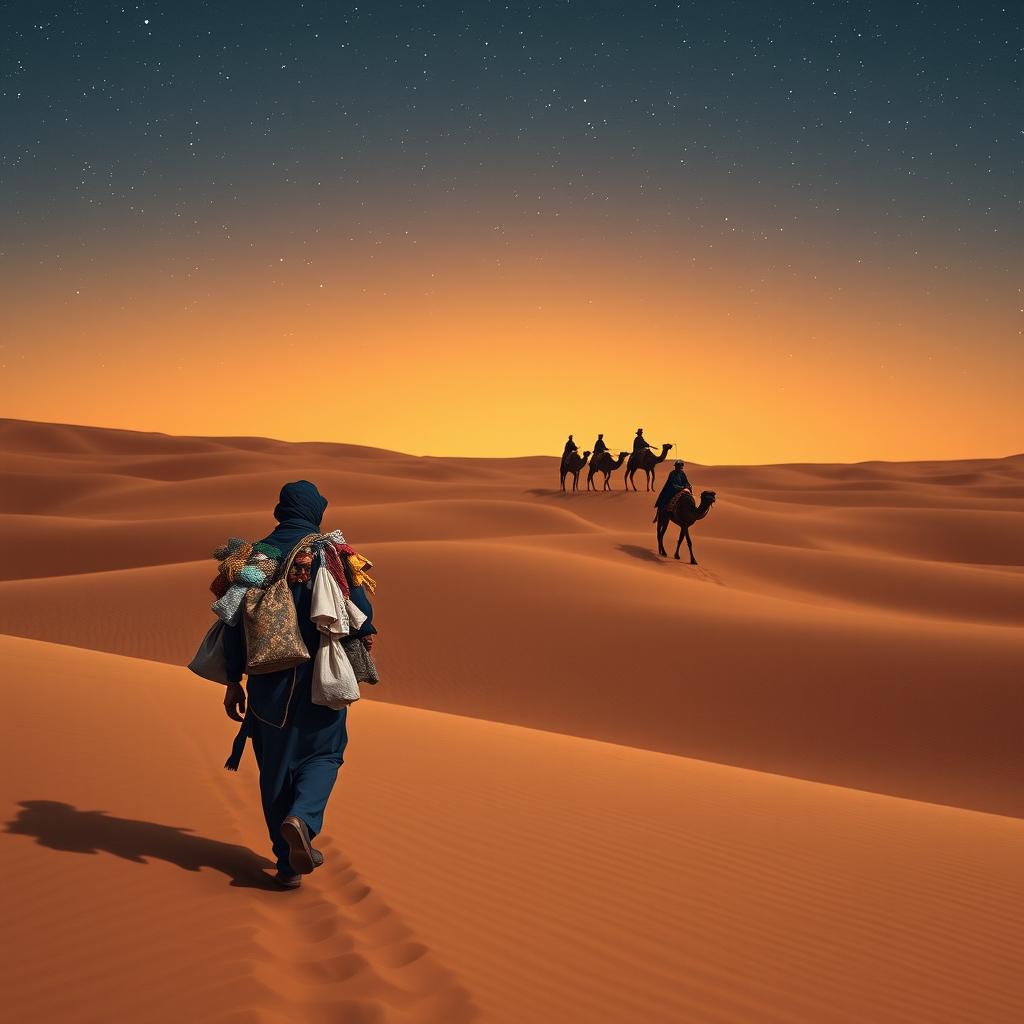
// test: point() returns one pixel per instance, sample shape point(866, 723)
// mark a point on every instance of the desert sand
point(593, 785)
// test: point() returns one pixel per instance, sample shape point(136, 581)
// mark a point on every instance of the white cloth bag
point(334, 680)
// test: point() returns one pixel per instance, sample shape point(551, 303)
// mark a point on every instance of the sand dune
point(475, 871)
point(548, 811)
point(108, 544)
point(781, 700)
point(838, 640)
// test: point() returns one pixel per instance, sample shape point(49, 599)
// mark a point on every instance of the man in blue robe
point(299, 745)
point(675, 483)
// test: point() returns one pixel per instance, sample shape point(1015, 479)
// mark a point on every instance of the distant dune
point(852, 633)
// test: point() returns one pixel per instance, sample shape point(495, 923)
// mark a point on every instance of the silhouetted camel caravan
point(684, 513)
point(604, 463)
point(675, 503)
point(642, 457)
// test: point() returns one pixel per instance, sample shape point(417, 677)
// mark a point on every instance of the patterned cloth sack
point(361, 660)
point(272, 638)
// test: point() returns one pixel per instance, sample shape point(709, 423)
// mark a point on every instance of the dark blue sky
point(901, 119)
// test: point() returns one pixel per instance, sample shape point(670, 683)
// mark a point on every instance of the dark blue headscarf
point(299, 512)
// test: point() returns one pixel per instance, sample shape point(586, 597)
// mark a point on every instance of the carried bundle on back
point(254, 584)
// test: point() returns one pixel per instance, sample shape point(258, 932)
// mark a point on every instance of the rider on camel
point(675, 484)
point(639, 444)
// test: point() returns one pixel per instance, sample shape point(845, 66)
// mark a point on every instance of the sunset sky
point(763, 231)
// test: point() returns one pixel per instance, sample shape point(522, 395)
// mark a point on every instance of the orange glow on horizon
point(467, 352)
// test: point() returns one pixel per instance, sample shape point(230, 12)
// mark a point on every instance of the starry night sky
point(781, 230)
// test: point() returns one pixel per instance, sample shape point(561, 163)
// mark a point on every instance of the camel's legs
point(682, 530)
point(693, 561)
point(662, 527)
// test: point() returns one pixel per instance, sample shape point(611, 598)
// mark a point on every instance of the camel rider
point(675, 483)
point(569, 449)
point(599, 447)
point(639, 444)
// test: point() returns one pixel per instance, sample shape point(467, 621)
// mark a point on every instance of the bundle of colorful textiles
point(330, 548)
point(357, 566)
point(244, 565)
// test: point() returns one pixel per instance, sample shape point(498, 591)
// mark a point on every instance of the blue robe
point(299, 745)
point(673, 485)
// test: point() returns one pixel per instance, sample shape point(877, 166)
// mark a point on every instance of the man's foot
point(300, 852)
point(287, 881)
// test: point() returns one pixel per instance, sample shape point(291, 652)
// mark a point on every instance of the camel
point(684, 513)
point(645, 460)
point(573, 463)
point(604, 463)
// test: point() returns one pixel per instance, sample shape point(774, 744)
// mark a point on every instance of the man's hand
point(234, 702)
point(368, 640)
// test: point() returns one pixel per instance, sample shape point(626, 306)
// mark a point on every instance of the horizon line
point(536, 455)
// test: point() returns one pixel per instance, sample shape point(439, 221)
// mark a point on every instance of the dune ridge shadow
point(59, 826)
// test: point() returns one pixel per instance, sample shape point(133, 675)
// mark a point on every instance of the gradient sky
point(762, 231)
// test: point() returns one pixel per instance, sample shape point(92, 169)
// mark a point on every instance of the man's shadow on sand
point(60, 826)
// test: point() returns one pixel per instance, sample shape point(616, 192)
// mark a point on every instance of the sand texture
point(593, 785)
